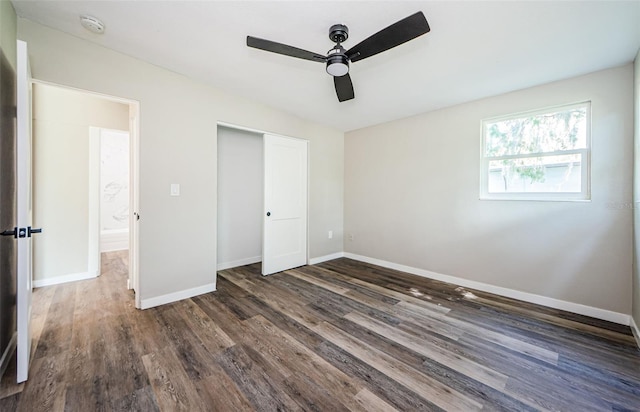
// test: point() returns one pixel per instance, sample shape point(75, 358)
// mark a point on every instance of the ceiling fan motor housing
point(337, 62)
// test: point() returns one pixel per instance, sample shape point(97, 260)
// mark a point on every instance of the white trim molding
point(38, 283)
point(176, 296)
point(578, 308)
point(635, 330)
point(325, 258)
point(8, 353)
point(94, 201)
point(240, 262)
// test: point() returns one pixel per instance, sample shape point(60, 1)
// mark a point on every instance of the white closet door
point(284, 243)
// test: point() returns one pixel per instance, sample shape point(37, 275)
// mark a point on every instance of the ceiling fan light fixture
point(337, 65)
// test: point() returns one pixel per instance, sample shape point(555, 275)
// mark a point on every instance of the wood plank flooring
point(338, 336)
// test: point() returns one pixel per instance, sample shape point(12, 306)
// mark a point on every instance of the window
point(540, 155)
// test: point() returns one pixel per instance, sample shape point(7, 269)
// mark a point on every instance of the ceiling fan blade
point(344, 87)
point(401, 32)
point(280, 48)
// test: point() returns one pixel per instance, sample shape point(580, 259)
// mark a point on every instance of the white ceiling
point(475, 48)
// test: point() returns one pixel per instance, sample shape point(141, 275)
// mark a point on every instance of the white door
point(134, 201)
point(284, 244)
point(24, 284)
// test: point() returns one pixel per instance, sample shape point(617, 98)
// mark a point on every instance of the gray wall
point(178, 132)
point(240, 196)
point(412, 198)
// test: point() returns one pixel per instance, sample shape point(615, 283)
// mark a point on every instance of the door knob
point(268, 213)
point(13, 232)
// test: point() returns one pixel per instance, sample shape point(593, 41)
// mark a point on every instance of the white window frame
point(585, 179)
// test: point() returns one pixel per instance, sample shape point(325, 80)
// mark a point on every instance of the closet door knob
point(30, 231)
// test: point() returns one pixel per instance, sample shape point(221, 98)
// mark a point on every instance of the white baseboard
point(635, 330)
point(38, 283)
point(176, 296)
point(8, 352)
point(256, 259)
point(320, 259)
point(240, 262)
point(578, 308)
point(113, 240)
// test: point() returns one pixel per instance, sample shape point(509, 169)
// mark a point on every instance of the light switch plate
point(175, 189)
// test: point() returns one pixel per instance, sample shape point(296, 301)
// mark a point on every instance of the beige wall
point(61, 121)
point(636, 196)
point(412, 189)
point(178, 119)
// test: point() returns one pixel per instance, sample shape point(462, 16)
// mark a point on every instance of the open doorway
point(84, 168)
point(109, 203)
point(114, 190)
point(240, 197)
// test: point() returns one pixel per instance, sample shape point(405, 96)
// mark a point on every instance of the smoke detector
point(92, 24)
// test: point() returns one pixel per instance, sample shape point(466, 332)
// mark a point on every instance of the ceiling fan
point(338, 59)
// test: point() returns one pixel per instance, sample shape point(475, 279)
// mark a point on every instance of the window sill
point(535, 198)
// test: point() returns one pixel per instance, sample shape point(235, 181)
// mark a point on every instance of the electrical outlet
point(331, 234)
point(350, 237)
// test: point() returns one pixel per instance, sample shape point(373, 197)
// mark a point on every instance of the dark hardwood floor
point(341, 335)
